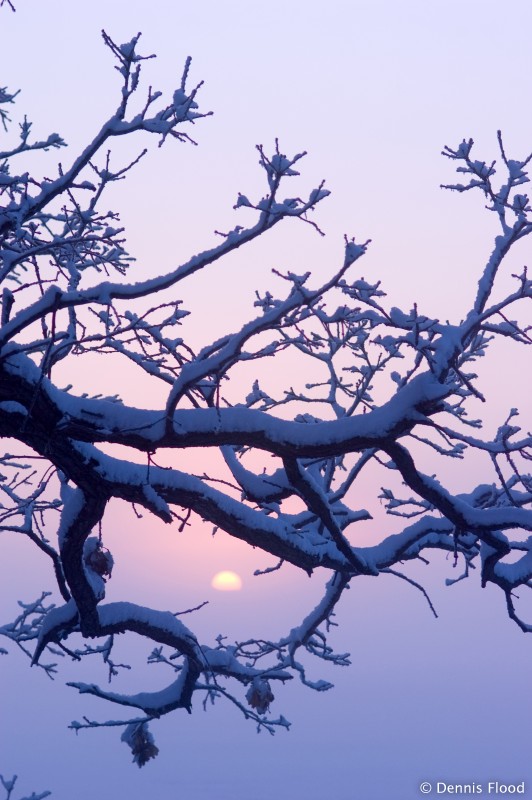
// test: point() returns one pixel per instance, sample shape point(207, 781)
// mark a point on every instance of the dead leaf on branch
point(259, 695)
point(138, 737)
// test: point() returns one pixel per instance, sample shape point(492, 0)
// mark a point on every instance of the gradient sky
point(373, 91)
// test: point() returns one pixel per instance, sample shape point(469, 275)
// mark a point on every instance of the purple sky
point(373, 90)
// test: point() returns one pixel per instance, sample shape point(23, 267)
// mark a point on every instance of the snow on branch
point(512, 207)
point(370, 388)
point(9, 784)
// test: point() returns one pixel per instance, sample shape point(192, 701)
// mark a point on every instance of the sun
point(227, 581)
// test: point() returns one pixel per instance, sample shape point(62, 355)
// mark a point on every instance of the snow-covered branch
point(370, 389)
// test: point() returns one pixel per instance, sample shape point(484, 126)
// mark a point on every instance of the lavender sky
point(373, 91)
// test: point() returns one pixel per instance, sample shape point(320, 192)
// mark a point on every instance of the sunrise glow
point(227, 581)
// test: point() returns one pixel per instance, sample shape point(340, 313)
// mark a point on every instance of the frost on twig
point(9, 786)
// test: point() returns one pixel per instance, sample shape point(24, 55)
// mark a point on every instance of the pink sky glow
point(373, 91)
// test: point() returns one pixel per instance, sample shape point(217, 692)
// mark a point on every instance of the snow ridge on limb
point(7, 784)
point(292, 462)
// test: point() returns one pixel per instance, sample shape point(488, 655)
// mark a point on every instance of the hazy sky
point(373, 91)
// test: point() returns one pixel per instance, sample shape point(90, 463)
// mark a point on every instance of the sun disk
point(227, 581)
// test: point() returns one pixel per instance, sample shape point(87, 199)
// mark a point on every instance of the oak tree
point(291, 461)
